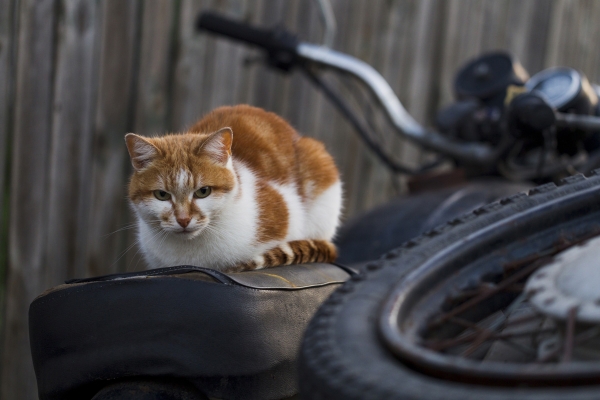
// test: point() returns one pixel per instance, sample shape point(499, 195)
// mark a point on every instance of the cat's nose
point(183, 221)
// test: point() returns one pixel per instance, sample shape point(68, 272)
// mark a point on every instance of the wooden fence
point(76, 75)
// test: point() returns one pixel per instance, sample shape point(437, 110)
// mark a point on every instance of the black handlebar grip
point(530, 112)
point(274, 40)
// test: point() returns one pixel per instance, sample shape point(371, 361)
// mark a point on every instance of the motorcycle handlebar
point(273, 40)
point(285, 50)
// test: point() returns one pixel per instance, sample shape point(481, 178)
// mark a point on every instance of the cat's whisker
point(133, 245)
point(220, 235)
point(129, 226)
point(216, 232)
point(164, 235)
point(132, 258)
point(124, 252)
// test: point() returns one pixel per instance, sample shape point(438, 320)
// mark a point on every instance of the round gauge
point(559, 86)
point(488, 76)
point(565, 89)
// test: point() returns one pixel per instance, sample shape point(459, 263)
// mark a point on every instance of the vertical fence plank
point(70, 149)
point(462, 40)
point(371, 175)
point(6, 82)
point(108, 217)
point(526, 32)
point(305, 104)
point(520, 27)
point(344, 142)
point(294, 19)
point(586, 49)
point(252, 10)
point(573, 37)
point(350, 153)
point(207, 65)
point(154, 80)
point(7, 77)
point(253, 56)
point(424, 77)
point(422, 81)
point(189, 80)
point(400, 30)
point(592, 69)
point(29, 185)
point(227, 59)
point(281, 90)
point(266, 79)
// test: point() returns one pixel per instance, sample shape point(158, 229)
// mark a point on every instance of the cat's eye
point(202, 192)
point(162, 195)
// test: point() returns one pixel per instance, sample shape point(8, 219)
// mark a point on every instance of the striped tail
point(295, 252)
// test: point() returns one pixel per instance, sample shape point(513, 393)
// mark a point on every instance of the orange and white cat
point(240, 190)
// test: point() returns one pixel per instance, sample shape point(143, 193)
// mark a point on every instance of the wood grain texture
point(7, 71)
point(7, 79)
point(189, 82)
point(109, 216)
point(153, 98)
point(574, 29)
point(69, 192)
point(26, 275)
point(76, 75)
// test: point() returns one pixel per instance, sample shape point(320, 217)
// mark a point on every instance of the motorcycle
point(426, 314)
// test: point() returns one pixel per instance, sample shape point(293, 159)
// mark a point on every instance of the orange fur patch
point(316, 168)
point(262, 140)
point(273, 214)
point(304, 251)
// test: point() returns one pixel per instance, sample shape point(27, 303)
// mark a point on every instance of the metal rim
point(404, 315)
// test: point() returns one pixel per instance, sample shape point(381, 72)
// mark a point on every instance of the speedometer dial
point(558, 85)
point(565, 89)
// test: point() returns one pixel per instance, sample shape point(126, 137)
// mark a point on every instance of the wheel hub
point(569, 284)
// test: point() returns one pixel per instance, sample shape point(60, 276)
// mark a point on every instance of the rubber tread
point(341, 357)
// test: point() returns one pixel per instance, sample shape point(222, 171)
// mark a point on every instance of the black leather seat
point(229, 335)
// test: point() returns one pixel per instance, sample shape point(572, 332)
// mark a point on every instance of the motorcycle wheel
point(363, 343)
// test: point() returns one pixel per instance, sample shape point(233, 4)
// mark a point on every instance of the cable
point(362, 131)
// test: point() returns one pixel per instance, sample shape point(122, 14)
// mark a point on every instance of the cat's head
point(181, 182)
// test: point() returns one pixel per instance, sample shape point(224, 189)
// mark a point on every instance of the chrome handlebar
point(474, 153)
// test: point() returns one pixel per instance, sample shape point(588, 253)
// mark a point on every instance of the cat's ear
point(218, 145)
point(141, 151)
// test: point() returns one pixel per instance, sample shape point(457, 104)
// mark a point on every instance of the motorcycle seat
point(231, 335)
